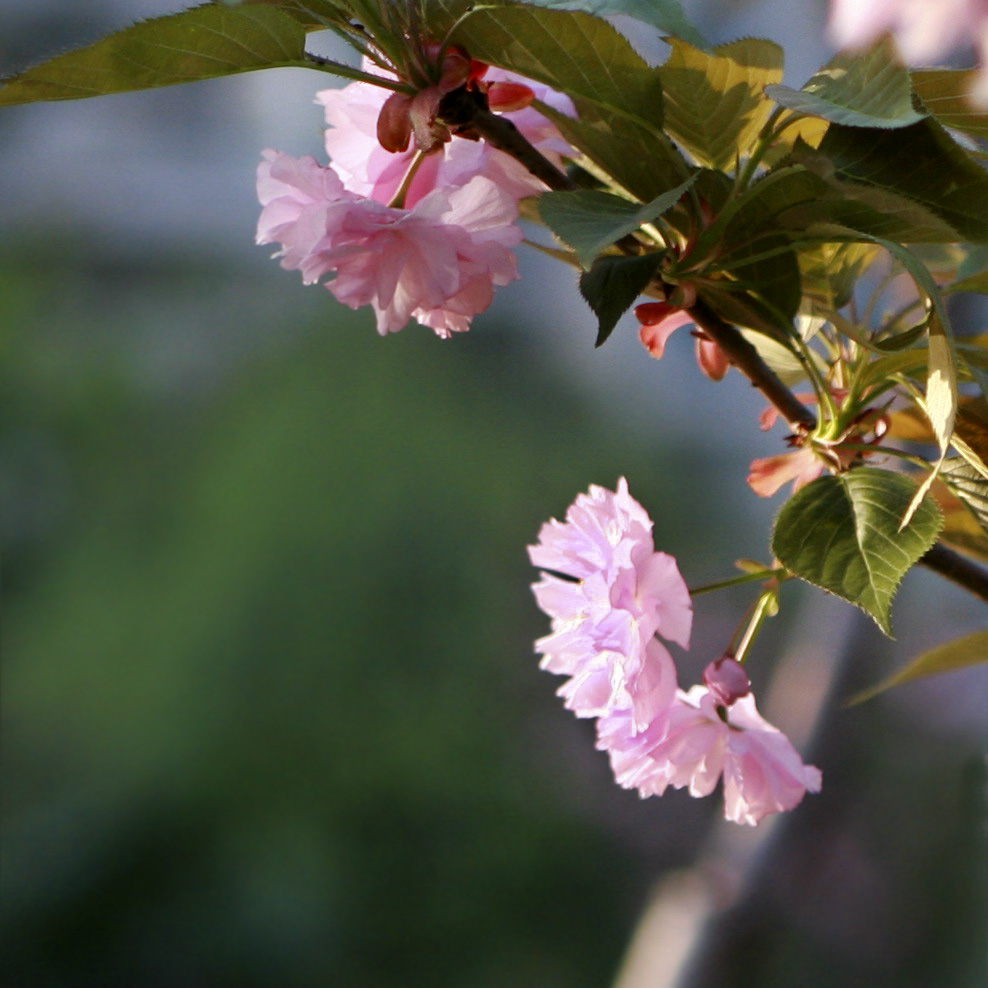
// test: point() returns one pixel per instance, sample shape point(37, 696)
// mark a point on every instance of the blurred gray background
point(271, 710)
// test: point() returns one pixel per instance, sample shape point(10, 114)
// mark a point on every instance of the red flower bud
point(503, 97)
point(394, 124)
point(651, 313)
point(726, 680)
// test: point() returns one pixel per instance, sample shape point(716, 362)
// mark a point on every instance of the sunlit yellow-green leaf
point(714, 101)
point(958, 654)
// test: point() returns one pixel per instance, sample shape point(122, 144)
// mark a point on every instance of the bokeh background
point(271, 714)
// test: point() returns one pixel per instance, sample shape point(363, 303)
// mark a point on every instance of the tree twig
point(747, 360)
point(958, 569)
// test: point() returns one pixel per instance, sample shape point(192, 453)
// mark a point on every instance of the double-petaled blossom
point(706, 734)
point(924, 31)
point(437, 262)
point(414, 235)
point(614, 594)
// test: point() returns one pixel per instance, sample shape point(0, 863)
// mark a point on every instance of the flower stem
point(736, 581)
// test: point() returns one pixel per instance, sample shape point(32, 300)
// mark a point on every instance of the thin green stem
point(764, 609)
point(736, 581)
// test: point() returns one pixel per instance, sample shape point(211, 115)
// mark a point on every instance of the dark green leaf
point(858, 89)
point(612, 285)
point(590, 221)
point(920, 162)
point(628, 151)
point(201, 43)
point(842, 534)
point(714, 102)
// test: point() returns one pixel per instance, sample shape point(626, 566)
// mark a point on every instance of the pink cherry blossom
point(660, 320)
point(620, 593)
point(767, 476)
point(691, 745)
point(437, 262)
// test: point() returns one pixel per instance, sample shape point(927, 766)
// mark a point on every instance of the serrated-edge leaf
point(858, 89)
point(921, 162)
point(666, 15)
point(631, 153)
point(611, 286)
point(714, 101)
point(961, 653)
point(841, 533)
point(201, 43)
point(945, 93)
point(590, 220)
point(967, 483)
point(573, 52)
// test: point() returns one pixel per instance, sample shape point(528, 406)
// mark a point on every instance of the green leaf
point(920, 162)
point(714, 103)
point(967, 483)
point(667, 15)
point(573, 52)
point(857, 89)
point(949, 657)
point(202, 43)
point(944, 92)
point(842, 534)
point(612, 285)
point(590, 221)
point(628, 151)
point(941, 383)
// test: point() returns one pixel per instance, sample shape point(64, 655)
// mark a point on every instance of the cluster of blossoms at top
point(609, 594)
point(418, 229)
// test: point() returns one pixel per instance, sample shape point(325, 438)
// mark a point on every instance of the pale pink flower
point(767, 476)
point(691, 745)
point(367, 168)
point(437, 262)
point(620, 593)
point(924, 31)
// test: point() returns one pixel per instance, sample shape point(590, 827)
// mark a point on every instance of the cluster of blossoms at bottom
point(609, 594)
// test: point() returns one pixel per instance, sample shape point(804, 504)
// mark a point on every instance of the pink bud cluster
point(422, 232)
point(611, 597)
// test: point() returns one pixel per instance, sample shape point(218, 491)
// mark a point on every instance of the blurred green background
point(271, 714)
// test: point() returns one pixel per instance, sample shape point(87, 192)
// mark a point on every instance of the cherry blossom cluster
point(421, 229)
point(611, 598)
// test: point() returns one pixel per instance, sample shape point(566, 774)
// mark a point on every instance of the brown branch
point(466, 112)
point(747, 360)
point(958, 569)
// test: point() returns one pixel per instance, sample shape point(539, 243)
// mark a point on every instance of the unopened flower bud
point(394, 124)
point(503, 97)
point(652, 313)
point(726, 680)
